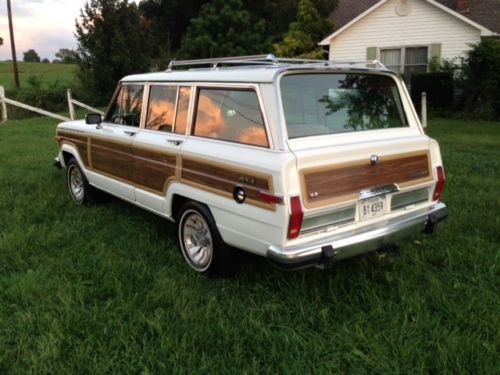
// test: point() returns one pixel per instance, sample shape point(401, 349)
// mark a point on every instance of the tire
point(79, 188)
point(201, 243)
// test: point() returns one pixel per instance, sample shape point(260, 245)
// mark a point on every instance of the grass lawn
point(64, 74)
point(104, 288)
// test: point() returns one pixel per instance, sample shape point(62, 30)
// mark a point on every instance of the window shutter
point(371, 53)
point(436, 51)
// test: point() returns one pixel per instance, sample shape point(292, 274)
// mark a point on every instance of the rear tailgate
point(354, 177)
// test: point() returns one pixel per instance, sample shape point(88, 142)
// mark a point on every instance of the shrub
point(50, 97)
point(481, 81)
point(439, 87)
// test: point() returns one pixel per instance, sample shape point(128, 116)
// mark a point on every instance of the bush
point(439, 87)
point(481, 81)
point(50, 97)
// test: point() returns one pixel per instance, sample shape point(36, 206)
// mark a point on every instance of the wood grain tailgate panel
point(337, 183)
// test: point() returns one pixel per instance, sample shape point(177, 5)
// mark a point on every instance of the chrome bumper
point(359, 240)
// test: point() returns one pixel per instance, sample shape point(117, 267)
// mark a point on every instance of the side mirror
point(93, 119)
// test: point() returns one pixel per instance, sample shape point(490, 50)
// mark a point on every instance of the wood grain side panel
point(79, 141)
point(113, 158)
point(340, 183)
point(222, 179)
point(153, 169)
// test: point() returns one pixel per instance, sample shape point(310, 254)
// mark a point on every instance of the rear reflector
point(295, 217)
point(439, 184)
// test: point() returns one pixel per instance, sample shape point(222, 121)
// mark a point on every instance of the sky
point(43, 25)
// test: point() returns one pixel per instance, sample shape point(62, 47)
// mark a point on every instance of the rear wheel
point(79, 188)
point(201, 243)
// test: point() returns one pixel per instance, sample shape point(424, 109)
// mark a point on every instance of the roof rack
point(263, 60)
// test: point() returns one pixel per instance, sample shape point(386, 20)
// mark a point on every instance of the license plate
point(372, 207)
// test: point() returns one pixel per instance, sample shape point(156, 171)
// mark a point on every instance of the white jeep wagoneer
point(304, 162)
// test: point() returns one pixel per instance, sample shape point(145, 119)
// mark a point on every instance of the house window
point(405, 60)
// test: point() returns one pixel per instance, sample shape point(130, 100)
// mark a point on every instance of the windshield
point(327, 103)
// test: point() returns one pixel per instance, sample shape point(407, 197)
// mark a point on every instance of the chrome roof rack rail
point(216, 62)
point(262, 60)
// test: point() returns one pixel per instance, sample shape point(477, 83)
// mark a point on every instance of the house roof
point(482, 13)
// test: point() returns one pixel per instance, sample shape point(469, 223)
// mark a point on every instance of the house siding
point(383, 28)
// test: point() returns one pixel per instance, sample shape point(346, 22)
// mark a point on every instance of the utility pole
point(13, 45)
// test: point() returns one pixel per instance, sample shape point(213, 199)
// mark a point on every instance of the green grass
point(103, 289)
point(63, 74)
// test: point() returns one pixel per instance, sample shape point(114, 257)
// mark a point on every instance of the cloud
point(44, 25)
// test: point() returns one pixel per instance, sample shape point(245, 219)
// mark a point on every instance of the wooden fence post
point(70, 105)
point(424, 110)
point(3, 104)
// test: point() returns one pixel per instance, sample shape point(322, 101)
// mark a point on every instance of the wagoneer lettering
point(304, 162)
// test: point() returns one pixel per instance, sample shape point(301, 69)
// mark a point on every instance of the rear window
point(317, 104)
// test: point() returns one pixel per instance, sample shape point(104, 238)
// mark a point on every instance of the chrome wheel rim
point(196, 240)
point(76, 185)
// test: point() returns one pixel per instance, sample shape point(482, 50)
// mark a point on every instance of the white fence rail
point(4, 100)
point(71, 102)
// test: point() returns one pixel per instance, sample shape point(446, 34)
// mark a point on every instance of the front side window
point(126, 108)
point(329, 103)
point(230, 114)
point(161, 108)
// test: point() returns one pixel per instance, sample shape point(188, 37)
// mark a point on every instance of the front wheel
point(79, 188)
point(201, 243)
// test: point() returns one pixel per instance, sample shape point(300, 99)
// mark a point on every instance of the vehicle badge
point(374, 159)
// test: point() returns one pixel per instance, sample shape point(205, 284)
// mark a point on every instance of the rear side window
point(231, 115)
point(161, 108)
point(126, 108)
point(316, 104)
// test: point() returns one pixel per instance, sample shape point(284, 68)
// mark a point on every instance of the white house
point(406, 34)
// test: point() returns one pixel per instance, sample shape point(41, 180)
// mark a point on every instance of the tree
point(278, 14)
point(223, 28)
point(66, 55)
point(303, 36)
point(45, 61)
point(112, 43)
point(167, 22)
point(480, 80)
point(1, 41)
point(31, 56)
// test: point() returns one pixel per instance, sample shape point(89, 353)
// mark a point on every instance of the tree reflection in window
point(126, 109)
point(368, 100)
point(316, 104)
point(161, 108)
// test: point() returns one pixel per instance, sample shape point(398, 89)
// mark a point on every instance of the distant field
point(103, 289)
point(64, 74)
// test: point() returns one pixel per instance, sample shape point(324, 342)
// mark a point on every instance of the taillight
point(270, 198)
point(295, 217)
point(439, 184)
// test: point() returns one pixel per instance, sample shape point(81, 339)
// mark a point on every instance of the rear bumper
point(359, 240)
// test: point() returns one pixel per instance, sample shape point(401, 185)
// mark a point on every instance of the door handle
point(175, 142)
point(130, 133)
